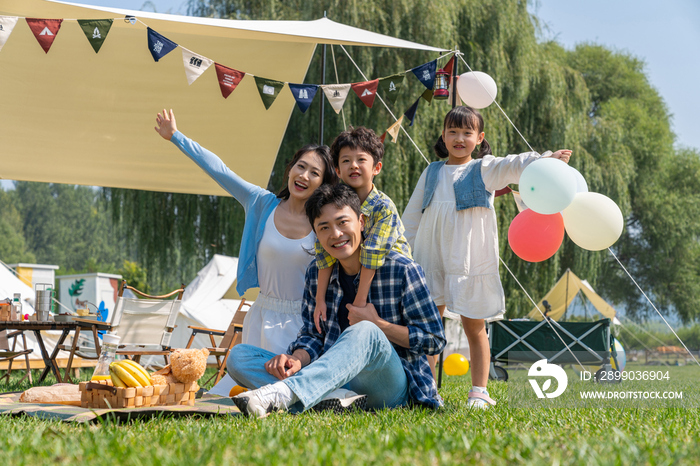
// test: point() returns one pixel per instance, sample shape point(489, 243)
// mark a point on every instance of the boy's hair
point(358, 138)
point(340, 195)
point(462, 117)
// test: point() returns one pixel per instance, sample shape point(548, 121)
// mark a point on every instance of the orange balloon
point(237, 390)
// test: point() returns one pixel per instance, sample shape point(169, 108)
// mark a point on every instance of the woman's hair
point(329, 175)
point(462, 117)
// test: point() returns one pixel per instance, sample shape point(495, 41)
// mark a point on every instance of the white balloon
point(593, 221)
point(581, 185)
point(477, 89)
point(547, 186)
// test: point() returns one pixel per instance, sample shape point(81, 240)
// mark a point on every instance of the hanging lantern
point(442, 85)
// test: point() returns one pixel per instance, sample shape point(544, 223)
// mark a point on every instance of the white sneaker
point(261, 402)
point(478, 400)
point(341, 400)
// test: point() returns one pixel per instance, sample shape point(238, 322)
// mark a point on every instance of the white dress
point(274, 319)
point(458, 250)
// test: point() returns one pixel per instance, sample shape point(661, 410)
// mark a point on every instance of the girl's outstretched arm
point(246, 193)
point(562, 154)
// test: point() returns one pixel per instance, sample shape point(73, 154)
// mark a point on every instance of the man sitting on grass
point(378, 351)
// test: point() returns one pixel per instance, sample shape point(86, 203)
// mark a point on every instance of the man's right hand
point(283, 366)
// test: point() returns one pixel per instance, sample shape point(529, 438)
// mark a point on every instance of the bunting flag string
point(366, 91)
point(96, 31)
point(391, 86)
point(228, 79)
point(426, 74)
point(269, 89)
point(411, 112)
point(304, 94)
point(336, 95)
point(158, 45)
point(195, 64)
point(393, 130)
point(7, 24)
point(45, 31)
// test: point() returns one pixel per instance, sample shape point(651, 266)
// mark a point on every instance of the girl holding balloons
point(451, 226)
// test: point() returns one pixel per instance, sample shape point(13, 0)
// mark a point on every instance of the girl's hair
point(463, 117)
point(329, 175)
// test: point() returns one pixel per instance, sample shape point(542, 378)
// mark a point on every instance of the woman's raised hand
point(166, 124)
point(563, 154)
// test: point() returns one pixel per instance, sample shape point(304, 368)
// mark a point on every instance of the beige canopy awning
point(74, 116)
point(563, 293)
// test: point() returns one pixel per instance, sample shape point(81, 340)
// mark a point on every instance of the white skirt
point(272, 324)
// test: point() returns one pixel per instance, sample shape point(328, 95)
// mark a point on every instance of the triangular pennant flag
point(428, 95)
point(383, 137)
point(411, 112)
point(7, 24)
point(96, 31)
point(448, 67)
point(393, 130)
point(45, 30)
point(269, 89)
point(391, 85)
point(228, 79)
point(195, 64)
point(158, 45)
point(366, 91)
point(304, 94)
point(336, 94)
point(426, 73)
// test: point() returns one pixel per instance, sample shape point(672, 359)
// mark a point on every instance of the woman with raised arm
point(277, 238)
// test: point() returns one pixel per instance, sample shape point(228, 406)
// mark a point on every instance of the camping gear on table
point(523, 341)
point(44, 301)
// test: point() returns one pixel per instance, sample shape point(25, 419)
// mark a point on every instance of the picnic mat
point(208, 405)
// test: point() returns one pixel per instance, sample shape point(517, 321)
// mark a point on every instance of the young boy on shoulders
point(357, 155)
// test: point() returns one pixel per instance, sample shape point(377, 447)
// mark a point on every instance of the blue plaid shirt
point(401, 297)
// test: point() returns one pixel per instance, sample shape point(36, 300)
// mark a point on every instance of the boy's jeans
point(362, 360)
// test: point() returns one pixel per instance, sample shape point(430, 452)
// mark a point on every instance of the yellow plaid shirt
point(383, 232)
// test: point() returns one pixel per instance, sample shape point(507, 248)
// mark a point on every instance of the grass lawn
point(453, 435)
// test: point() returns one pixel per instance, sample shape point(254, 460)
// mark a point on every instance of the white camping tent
point(203, 304)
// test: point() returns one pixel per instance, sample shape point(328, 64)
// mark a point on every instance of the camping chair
point(144, 325)
point(8, 355)
point(231, 338)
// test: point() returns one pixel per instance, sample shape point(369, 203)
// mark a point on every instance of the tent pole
point(323, 81)
point(566, 296)
point(454, 104)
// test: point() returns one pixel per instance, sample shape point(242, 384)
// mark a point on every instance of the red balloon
point(535, 237)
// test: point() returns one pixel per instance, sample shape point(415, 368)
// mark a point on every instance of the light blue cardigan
point(257, 202)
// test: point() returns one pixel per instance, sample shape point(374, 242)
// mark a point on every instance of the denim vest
point(470, 190)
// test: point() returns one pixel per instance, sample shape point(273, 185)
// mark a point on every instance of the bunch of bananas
point(127, 373)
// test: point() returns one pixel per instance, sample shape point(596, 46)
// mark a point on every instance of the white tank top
point(282, 262)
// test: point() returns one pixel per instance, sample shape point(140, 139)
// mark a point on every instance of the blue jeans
point(362, 360)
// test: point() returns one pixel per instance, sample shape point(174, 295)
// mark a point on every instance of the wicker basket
point(105, 395)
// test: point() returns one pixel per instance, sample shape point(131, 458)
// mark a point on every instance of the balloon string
point(652, 305)
point(458, 53)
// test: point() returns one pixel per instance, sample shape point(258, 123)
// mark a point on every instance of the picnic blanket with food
point(130, 392)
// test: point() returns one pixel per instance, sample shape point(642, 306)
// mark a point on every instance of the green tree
point(13, 247)
point(594, 101)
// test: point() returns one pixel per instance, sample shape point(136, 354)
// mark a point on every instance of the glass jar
point(110, 341)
